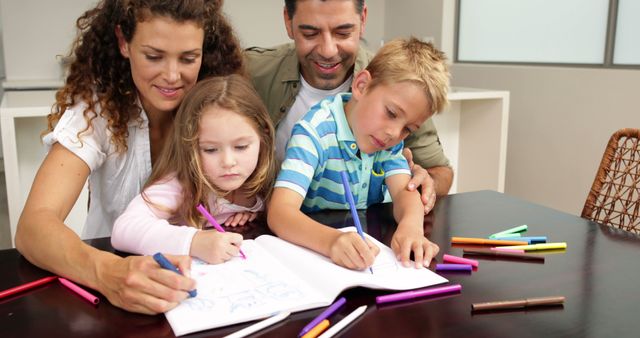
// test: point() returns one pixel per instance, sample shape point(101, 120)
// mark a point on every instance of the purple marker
point(453, 267)
point(396, 297)
point(326, 313)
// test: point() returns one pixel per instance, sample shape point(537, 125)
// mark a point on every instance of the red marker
point(26, 286)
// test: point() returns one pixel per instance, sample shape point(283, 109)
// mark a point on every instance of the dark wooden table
point(599, 274)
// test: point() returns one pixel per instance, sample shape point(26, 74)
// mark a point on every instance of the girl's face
point(165, 58)
point(229, 147)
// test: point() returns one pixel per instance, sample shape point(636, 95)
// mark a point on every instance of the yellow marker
point(323, 325)
point(541, 246)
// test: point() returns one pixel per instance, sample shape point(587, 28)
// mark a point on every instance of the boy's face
point(382, 117)
point(327, 36)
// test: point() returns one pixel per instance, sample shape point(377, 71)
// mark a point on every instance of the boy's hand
point(240, 218)
point(406, 240)
point(215, 247)
point(350, 251)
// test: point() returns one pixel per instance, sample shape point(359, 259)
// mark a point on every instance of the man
point(321, 62)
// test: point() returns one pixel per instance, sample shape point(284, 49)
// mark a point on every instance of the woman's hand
point(139, 284)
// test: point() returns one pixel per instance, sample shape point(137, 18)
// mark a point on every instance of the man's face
point(327, 36)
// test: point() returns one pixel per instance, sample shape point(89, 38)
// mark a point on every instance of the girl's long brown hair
point(100, 76)
point(180, 157)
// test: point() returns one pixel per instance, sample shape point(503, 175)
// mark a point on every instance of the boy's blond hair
point(416, 61)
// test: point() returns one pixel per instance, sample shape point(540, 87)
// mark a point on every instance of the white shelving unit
point(473, 132)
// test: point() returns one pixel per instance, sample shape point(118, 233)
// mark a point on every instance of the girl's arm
point(133, 283)
point(289, 223)
point(143, 228)
point(408, 212)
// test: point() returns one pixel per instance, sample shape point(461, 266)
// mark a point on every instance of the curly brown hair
point(100, 76)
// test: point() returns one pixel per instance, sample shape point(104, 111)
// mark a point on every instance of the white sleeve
point(92, 145)
point(143, 229)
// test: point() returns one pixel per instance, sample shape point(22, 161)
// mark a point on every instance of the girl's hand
point(350, 251)
point(411, 239)
point(215, 247)
point(240, 218)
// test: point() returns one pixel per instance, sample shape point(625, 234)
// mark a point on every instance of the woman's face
point(165, 58)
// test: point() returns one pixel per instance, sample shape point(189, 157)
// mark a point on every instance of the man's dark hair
point(291, 6)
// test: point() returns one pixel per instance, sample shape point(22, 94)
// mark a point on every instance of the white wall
point(559, 122)
point(408, 18)
point(560, 118)
point(34, 32)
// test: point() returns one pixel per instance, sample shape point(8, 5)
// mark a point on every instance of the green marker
point(500, 235)
point(520, 228)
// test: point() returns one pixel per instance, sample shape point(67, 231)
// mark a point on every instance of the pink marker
point(459, 260)
point(80, 291)
point(507, 250)
point(214, 223)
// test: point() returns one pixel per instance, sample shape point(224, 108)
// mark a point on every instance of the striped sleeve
point(301, 159)
point(394, 163)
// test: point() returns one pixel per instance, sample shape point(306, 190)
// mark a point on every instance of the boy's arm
point(289, 223)
point(432, 181)
point(409, 214)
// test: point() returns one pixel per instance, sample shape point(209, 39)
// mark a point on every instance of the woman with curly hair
point(133, 63)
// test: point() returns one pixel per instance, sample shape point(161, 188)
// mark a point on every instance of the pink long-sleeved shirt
point(143, 229)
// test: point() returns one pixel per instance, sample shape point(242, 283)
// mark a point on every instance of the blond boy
point(362, 133)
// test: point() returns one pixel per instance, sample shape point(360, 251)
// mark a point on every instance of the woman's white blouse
point(116, 178)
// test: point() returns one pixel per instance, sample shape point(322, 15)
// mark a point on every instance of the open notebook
point(280, 276)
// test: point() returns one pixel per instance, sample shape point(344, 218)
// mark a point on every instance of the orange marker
point(484, 241)
point(323, 325)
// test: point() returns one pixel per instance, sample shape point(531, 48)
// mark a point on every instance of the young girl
point(220, 154)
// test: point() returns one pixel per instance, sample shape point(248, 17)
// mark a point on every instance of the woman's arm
point(133, 283)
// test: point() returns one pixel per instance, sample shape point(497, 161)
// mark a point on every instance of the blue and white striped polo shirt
point(321, 146)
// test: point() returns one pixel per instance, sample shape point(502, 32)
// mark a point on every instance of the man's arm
point(424, 151)
point(433, 181)
point(442, 179)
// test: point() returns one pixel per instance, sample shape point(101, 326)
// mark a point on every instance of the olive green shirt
point(276, 76)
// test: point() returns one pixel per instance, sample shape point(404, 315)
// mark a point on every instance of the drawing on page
point(385, 263)
point(239, 289)
point(200, 304)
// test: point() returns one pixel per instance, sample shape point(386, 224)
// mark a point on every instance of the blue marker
point(352, 206)
point(165, 264)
